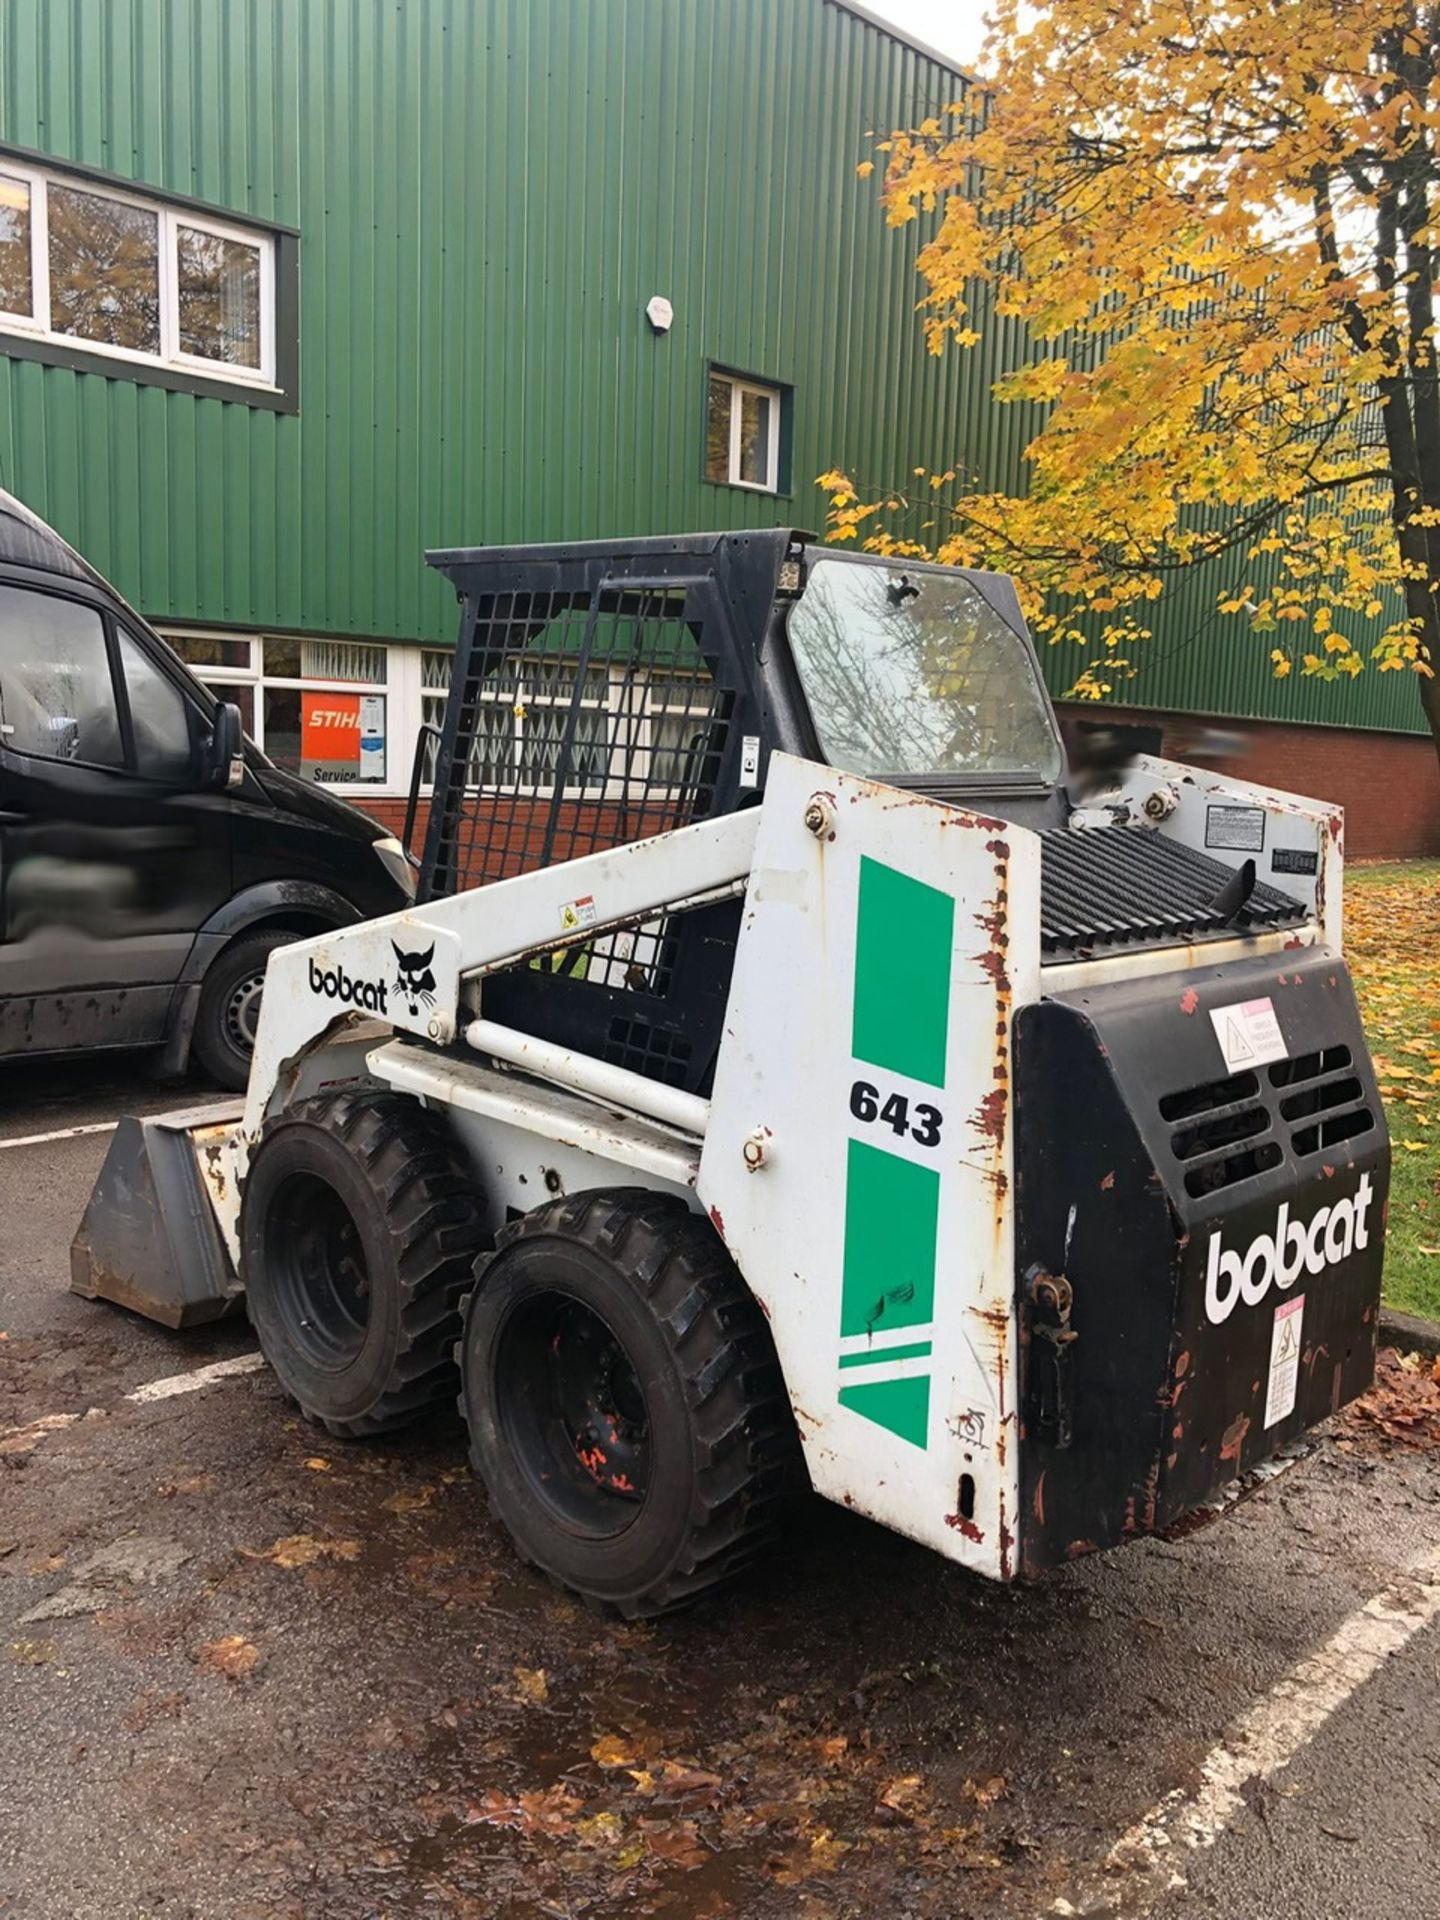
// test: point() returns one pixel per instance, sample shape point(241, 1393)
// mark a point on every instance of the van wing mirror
point(227, 747)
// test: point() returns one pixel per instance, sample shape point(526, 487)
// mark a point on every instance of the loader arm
point(359, 972)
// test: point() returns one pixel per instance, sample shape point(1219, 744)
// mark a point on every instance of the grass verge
point(1392, 942)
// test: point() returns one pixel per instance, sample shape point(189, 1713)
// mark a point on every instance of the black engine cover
point(1190, 1201)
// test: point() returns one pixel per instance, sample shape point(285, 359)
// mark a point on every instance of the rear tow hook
point(1049, 1298)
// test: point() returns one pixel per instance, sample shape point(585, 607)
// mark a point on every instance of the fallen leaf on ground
point(532, 1686)
point(600, 1830)
point(550, 1811)
point(984, 1792)
point(905, 1794)
point(610, 1750)
point(1403, 1405)
point(234, 1656)
point(675, 1842)
point(303, 1550)
point(317, 1465)
point(32, 1653)
point(409, 1500)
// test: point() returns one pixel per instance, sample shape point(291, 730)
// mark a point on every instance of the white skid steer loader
point(782, 1067)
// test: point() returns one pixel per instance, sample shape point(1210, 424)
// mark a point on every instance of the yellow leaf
point(303, 1550)
point(532, 1685)
point(611, 1751)
point(234, 1656)
point(409, 1500)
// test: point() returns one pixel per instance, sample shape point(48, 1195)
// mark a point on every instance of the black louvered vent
point(1322, 1099)
point(1219, 1139)
point(1110, 887)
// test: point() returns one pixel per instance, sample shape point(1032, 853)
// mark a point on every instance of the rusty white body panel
point(1195, 808)
point(896, 1333)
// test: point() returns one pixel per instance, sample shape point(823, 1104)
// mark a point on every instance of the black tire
point(224, 1035)
point(626, 1409)
point(359, 1231)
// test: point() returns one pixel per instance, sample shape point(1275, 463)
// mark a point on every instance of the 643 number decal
point(922, 1123)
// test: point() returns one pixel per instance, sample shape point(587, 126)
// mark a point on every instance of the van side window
point(56, 696)
point(159, 717)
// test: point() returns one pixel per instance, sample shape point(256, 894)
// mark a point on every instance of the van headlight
point(393, 858)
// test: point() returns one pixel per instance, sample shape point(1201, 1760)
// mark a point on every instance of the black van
point(151, 857)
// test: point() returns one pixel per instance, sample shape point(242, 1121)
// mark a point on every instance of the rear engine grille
point(1226, 1131)
point(1322, 1100)
point(1111, 887)
point(1222, 1139)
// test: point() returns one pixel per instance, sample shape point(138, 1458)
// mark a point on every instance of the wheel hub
point(600, 1403)
point(242, 1012)
point(315, 1256)
point(575, 1409)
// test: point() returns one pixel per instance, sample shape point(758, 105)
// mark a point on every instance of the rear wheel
point(358, 1232)
point(625, 1406)
point(229, 1012)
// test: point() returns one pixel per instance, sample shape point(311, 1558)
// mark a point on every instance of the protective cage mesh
point(592, 720)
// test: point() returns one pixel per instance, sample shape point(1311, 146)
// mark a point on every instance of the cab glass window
point(916, 672)
point(57, 700)
point(159, 717)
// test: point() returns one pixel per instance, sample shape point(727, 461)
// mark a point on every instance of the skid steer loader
point(786, 1069)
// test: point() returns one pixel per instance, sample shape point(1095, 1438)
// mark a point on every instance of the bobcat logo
point(414, 982)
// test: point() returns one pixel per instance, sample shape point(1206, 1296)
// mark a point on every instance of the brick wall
point(1388, 783)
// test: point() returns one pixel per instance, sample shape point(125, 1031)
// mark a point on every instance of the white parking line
point(26, 1438)
point(197, 1379)
point(61, 1133)
point(1264, 1741)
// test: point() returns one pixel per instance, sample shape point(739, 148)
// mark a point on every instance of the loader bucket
point(149, 1239)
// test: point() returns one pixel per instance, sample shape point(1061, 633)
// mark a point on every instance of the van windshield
point(913, 672)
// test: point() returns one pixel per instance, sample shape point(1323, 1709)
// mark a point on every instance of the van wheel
point(359, 1229)
point(626, 1408)
point(229, 1014)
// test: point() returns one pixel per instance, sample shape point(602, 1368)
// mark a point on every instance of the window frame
point(778, 394)
point(169, 218)
point(111, 626)
point(394, 689)
point(28, 336)
point(642, 747)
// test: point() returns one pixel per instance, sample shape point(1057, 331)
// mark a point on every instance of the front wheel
point(359, 1228)
point(625, 1405)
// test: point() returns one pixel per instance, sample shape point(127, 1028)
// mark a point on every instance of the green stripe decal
point(892, 1211)
point(902, 1406)
point(872, 1356)
point(903, 941)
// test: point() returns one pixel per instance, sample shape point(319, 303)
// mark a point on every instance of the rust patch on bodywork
point(1233, 1438)
point(967, 1527)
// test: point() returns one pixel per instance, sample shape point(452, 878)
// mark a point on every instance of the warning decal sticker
point(1240, 828)
point(1284, 1359)
point(578, 913)
point(1249, 1034)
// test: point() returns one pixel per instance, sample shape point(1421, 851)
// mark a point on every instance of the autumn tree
point(1217, 224)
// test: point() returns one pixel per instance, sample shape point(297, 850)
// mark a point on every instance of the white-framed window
point(631, 728)
point(742, 432)
point(329, 710)
point(97, 267)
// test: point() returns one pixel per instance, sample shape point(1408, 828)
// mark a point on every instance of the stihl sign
point(1295, 1247)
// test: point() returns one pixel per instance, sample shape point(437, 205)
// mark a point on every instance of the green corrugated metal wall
point(488, 191)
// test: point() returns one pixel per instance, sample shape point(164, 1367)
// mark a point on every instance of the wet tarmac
point(247, 1670)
